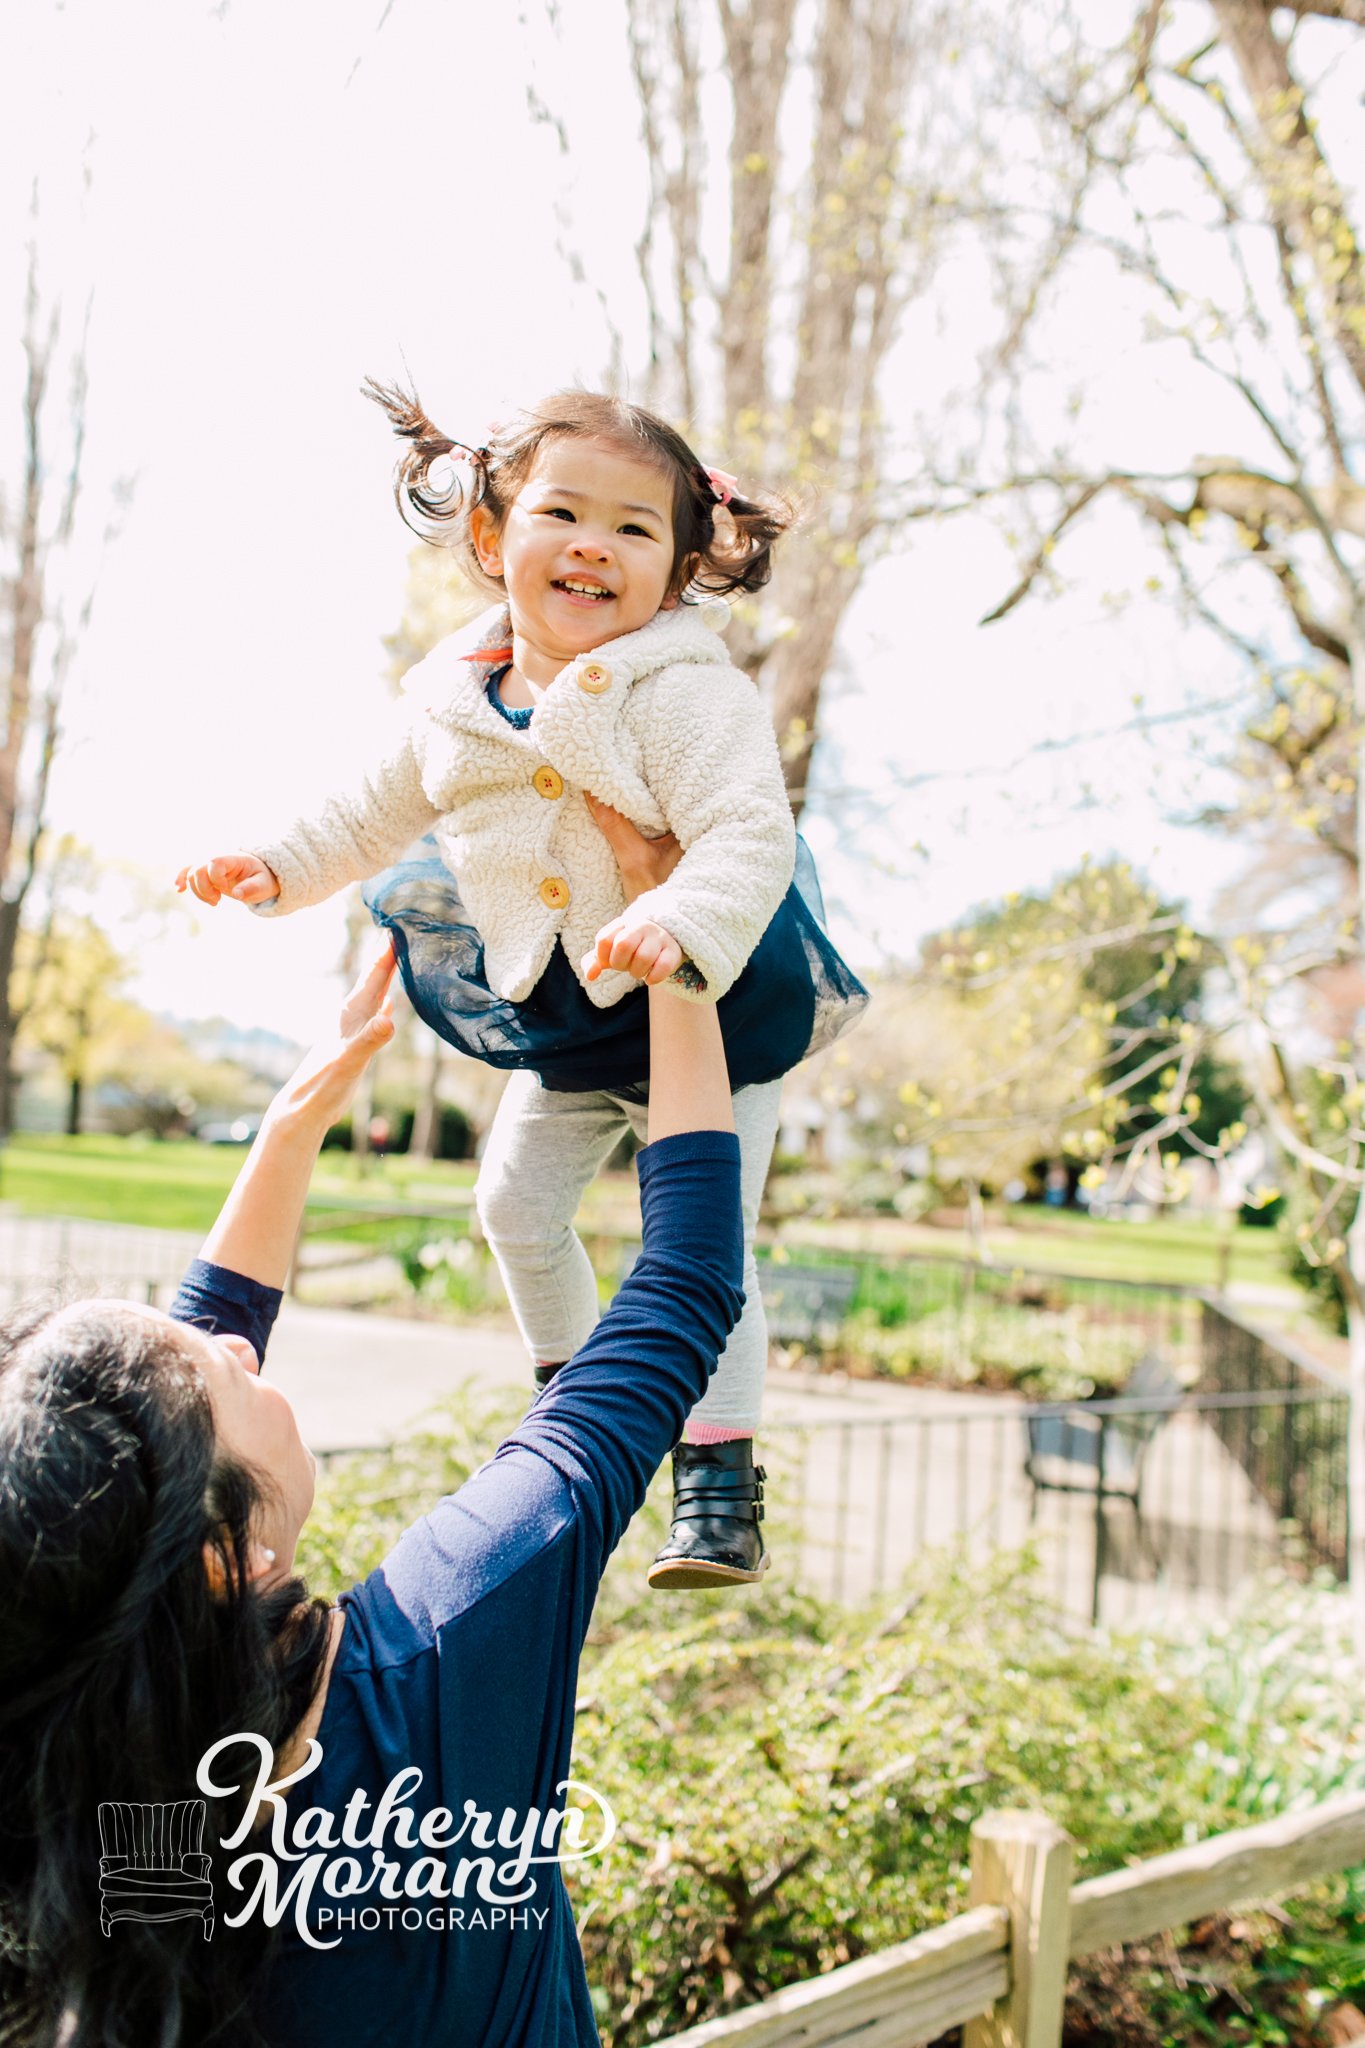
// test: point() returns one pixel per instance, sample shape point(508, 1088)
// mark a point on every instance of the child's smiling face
point(586, 551)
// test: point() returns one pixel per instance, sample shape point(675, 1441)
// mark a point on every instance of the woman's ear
point(487, 540)
point(260, 1564)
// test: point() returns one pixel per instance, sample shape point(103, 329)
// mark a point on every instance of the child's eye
point(559, 512)
point(643, 531)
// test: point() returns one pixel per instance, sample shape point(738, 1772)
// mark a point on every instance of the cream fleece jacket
point(658, 723)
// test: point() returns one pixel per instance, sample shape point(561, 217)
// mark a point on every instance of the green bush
point(442, 1264)
point(1047, 1354)
point(894, 1298)
point(795, 1782)
point(365, 1501)
point(1279, 1672)
point(455, 1137)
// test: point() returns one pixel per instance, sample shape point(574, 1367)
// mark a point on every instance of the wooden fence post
point(1023, 1862)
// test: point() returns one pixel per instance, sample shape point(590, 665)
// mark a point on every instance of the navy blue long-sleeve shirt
point(460, 1652)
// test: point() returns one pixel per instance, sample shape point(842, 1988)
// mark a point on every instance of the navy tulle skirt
point(795, 996)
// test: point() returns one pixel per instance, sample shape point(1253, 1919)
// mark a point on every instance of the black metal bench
point(1074, 1449)
point(803, 1305)
point(1100, 1449)
point(806, 1305)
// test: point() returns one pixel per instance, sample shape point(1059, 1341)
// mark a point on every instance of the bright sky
point(283, 198)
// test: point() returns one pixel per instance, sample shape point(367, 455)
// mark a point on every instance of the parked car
point(240, 1131)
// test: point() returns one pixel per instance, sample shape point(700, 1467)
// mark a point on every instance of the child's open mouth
point(585, 592)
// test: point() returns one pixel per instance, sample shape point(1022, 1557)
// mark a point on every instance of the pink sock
point(714, 1433)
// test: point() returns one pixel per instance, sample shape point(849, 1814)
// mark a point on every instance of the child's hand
point(230, 874)
point(638, 945)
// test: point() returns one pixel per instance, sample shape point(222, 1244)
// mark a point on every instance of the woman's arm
point(689, 1087)
point(255, 1232)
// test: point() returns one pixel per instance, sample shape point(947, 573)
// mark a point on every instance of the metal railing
point(1292, 1443)
point(69, 1255)
point(854, 1502)
point(1245, 1470)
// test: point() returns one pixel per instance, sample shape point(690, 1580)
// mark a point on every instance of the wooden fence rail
point(1001, 1968)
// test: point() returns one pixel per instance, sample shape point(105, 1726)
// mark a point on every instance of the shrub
point(455, 1139)
point(1047, 1354)
point(448, 1268)
point(795, 1782)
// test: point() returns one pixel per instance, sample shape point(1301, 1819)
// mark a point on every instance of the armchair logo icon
point(153, 1865)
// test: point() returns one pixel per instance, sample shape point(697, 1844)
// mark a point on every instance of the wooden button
point(594, 677)
point(554, 892)
point(545, 782)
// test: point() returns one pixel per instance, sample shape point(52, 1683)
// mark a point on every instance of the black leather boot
point(717, 1506)
point(543, 1374)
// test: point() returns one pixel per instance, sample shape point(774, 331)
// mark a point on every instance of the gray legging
point(543, 1149)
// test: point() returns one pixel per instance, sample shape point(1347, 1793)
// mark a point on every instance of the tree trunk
point(812, 584)
point(9, 936)
point(1354, 1275)
point(73, 1107)
point(805, 414)
point(1300, 188)
point(426, 1125)
point(362, 1109)
point(1355, 1432)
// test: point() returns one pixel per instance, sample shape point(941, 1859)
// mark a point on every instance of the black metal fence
point(1138, 1511)
point(1135, 1504)
point(1291, 1441)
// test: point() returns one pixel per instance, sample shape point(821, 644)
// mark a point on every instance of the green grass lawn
point(1175, 1248)
point(180, 1185)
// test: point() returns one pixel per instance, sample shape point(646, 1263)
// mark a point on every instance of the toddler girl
point(596, 679)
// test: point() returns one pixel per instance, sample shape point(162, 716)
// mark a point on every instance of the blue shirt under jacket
point(460, 1652)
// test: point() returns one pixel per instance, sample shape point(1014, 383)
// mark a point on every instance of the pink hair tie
point(723, 485)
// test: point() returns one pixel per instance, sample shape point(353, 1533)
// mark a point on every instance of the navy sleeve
point(615, 1410)
point(227, 1304)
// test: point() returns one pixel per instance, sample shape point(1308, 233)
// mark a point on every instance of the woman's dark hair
point(711, 557)
point(119, 1666)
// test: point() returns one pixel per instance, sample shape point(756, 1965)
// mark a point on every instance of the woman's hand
point(259, 1224)
point(230, 874)
point(322, 1086)
point(637, 946)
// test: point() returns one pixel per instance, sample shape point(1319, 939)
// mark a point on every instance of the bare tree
point(775, 348)
point(1212, 192)
point(45, 611)
point(437, 602)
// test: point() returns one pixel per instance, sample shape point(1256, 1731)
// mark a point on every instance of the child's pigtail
point(744, 532)
point(422, 501)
